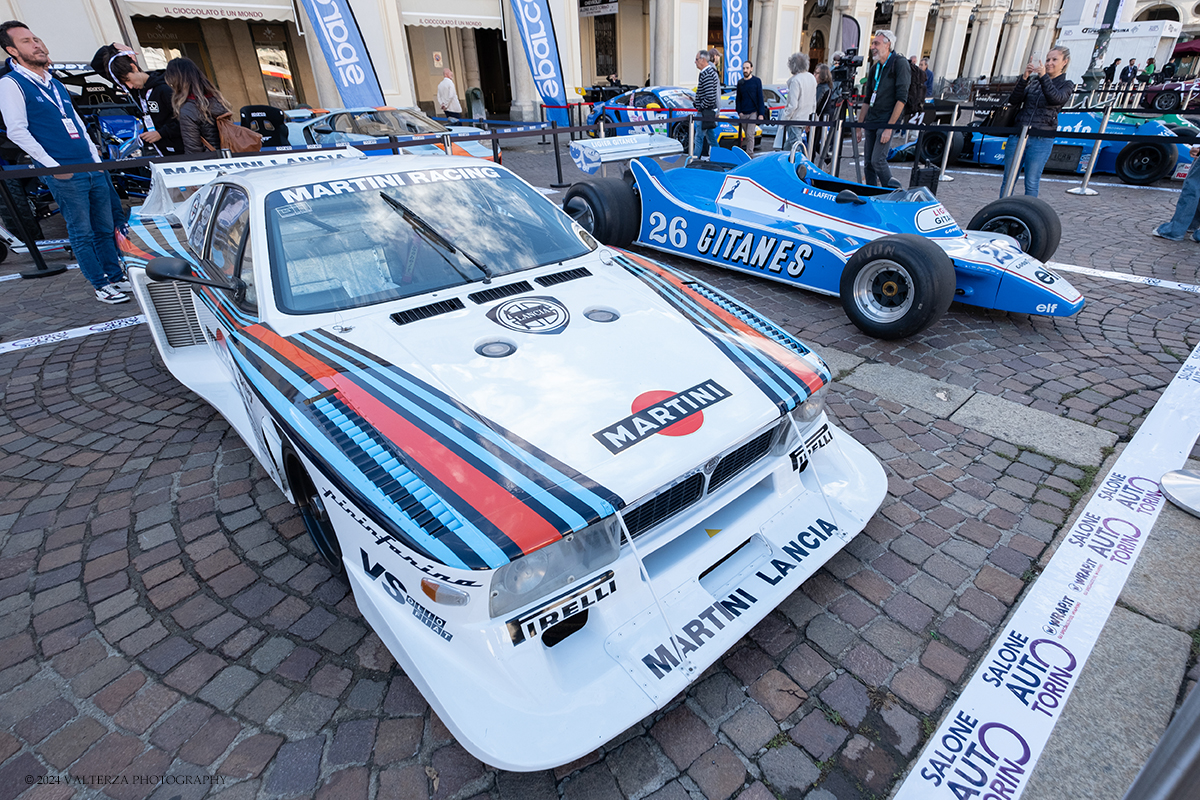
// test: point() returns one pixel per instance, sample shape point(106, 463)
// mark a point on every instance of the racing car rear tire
point(607, 208)
point(933, 145)
point(897, 286)
point(1141, 163)
point(312, 512)
point(1030, 220)
point(1166, 102)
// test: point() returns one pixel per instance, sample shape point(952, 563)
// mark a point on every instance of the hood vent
point(488, 295)
point(563, 277)
point(425, 312)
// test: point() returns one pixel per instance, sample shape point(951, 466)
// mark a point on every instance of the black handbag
point(1004, 116)
point(708, 119)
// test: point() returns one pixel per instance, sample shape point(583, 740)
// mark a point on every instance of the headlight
point(811, 408)
point(554, 566)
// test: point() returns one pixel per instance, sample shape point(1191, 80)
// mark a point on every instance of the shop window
point(165, 39)
point(606, 44)
point(275, 62)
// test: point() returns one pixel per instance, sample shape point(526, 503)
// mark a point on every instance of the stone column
point(526, 100)
point(1015, 43)
point(1043, 35)
point(765, 21)
point(470, 77)
point(662, 41)
point(989, 20)
point(910, 18)
point(951, 38)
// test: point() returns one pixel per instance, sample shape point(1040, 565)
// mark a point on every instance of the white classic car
point(561, 479)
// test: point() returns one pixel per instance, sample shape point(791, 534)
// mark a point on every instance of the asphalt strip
point(997, 729)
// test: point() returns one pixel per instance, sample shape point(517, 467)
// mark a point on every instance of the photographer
point(887, 83)
point(149, 92)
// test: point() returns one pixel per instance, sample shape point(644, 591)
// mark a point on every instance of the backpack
point(915, 103)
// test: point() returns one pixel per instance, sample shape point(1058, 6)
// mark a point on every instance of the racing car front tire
point(1030, 220)
point(897, 286)
point(1141, 164)
point(607, 208)
point(933, 146)
point(312, 511)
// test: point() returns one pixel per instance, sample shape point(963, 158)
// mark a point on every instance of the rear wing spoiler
point(173, 182)
point(590, 155)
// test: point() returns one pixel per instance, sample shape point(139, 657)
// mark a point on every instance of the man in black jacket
point(149, 91)
point(887, 88)
point(750, 105)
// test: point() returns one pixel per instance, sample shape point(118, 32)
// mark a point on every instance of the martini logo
point(531, 315)
point(668, 413)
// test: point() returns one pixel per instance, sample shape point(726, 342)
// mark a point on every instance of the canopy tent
point(248, 10)
point(1187, 48)
point(452, 14)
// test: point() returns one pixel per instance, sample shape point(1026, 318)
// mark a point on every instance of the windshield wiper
point(421, 226)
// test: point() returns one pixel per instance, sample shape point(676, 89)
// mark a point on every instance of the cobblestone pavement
point(161, 613)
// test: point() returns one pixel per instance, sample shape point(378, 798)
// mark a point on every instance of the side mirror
point(848, 196)
point(166, 268)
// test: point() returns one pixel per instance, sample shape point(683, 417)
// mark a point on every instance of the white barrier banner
point(73, 333)
point(991, 739)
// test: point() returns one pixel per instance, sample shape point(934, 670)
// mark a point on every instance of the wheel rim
point(1011, 226)
point(1144, 162)
point(1165, 102)
point(883, 291)
point(316, 520)
point(580, 210)
point(935, 145)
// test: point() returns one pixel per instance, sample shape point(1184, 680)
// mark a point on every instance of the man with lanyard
point(888, 86)
point(43, 123)
point(708, 91)
point(149, 91)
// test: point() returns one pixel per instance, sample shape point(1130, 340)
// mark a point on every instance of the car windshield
point(404, 120)
point(677, 98)
point(918, 194)
point(340, 244)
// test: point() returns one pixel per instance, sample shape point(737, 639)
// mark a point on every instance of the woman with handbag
point(1037, 98)
point(204, 116)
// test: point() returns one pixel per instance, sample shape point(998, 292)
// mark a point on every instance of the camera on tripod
point(844, 69)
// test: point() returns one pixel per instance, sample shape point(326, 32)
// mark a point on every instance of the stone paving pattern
point(161, 612)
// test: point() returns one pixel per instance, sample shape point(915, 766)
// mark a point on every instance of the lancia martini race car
point(358, 126)
point(896, 257)
point(561, 480)
point(1136, 163)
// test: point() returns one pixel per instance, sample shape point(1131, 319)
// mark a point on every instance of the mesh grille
point(425, 312)
point(563, 277)
point(173, 304)
point(495, 293)
point(737, 461)
point(669, 503)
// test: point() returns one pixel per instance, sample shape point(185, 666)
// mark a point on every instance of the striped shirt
point(708, 88)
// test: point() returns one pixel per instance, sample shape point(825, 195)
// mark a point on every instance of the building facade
point(267, 51)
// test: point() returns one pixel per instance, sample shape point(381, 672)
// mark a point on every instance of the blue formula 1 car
point(896, 258)
point(1137, 163)
point(666, 107)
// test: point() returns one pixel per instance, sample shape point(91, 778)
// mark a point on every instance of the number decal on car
point(659, 232)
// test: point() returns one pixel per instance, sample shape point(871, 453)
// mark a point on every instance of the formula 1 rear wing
point(173, 182)
point(590, 155)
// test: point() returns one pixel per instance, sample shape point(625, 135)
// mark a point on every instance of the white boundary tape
point(1123, 276)
point(989, 742)
point(73, 333)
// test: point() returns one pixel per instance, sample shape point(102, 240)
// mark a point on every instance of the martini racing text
point(313, 191)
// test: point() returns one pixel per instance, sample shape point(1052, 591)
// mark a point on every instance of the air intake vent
point(563, 277)
point(736, 462)
point(425, 312)
point(173, 305)
point(488, 295)
point(668, 504)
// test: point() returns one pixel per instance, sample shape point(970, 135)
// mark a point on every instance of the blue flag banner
point(541, 48)
point(345, 52)
point(734, 13)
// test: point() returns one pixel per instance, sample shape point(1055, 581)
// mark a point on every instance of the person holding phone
point(1038, 96)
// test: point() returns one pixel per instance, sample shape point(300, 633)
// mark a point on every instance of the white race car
point(562, 480)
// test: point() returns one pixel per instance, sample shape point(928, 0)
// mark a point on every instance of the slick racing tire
point(933, 146)
point(679, 132)
point(1029, 220)
point(607, 208)
point(313, 512)
point(1141, 163)
point(897, 286)
point(1166, 102)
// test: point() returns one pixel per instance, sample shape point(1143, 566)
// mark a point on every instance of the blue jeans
point(86, 200)
point(704, 139)
point(1037, 153)
point(1187, 208)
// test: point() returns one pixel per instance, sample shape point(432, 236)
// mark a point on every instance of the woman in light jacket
point(801, 100)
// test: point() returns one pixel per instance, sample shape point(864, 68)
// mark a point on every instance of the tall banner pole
point(536, 28)
point(734, 21)
point(345, 52)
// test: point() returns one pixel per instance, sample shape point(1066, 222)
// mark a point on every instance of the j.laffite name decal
point(662, 414)
point(712, 619)
point(534, 623)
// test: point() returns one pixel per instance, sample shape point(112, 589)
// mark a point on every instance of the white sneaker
point(122, 285)
point(111, 294)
